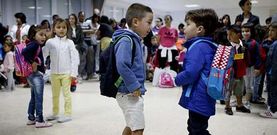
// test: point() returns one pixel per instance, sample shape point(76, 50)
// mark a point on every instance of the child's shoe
point(31, 122)
point(52, 117)
point(64, 119)
point(43, 124)
point(228, 111)
point(242, 109)
point(268, 114)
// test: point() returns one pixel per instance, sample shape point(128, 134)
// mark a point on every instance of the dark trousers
point(197, 124)
point(163, 61)
point(272, 94)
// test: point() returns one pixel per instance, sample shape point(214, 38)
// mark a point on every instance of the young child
point(9, 64)
point(237, 84)
point(139, 18)
point(253, 65)
point(200, 26)
point(271, 71)
point(33, 55)
point(64, 68)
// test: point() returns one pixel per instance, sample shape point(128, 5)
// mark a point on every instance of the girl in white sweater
point(64, 67)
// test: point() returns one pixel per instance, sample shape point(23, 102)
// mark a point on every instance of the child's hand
point(137, 93)
point(34, 66)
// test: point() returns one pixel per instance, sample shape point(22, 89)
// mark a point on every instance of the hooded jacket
point(133, 74)
point(197, 60)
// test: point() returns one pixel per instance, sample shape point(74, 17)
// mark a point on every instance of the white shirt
point(237, 45)
point(23, 31)
point(63, 54)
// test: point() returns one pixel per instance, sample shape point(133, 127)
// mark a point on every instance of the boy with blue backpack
point(199, 30)
point(130, 67)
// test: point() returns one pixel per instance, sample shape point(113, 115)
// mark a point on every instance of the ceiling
point(175, 5)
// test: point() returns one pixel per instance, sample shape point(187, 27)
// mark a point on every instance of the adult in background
point(246, 15)
point(20, 29)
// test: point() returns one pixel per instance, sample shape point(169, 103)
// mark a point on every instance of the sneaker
point(31, 122)
point(228, 111)
point(268, 114)
point(242, 109)
point(43, 124)
point(64, 119)
point(52, 117)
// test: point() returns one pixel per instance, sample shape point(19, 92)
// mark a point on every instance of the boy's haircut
point(181, 26)
point(234, 28)
point(248, 25)
point(10, 44)
point(242, 2)
point(33, 31)
point(268, 20)
point(170, 17)
point(58, 21)
point(204, 17)
point(273, 25)
point(136, 10)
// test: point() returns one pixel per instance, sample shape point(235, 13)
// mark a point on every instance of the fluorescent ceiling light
point(32, 7)
point(192, 5)
point(254, 1)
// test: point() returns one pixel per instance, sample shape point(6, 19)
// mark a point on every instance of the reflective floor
point(97, 115)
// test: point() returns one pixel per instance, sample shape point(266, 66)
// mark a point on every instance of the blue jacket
point(133, 74)
point(197, 60)
point(271, 63)
point(29, 55)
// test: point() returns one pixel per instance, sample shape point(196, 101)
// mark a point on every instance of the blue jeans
point(257, 82)
point(36, 82)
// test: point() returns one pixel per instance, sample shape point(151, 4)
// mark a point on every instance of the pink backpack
point(166, 80)
point(22, 67)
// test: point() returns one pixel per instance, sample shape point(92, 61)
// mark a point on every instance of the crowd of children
point(70, 49)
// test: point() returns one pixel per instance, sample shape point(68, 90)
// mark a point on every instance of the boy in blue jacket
point(201, 24)
point(131, 68)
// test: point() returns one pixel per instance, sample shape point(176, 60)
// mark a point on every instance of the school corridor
point(97, 115)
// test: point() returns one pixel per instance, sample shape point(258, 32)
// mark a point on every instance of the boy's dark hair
point(33, 31)
point(181, 26)
point(136, 10)
point(242, 2)
point(160, 19)
point(21, 16)
point(204, 17)
point(170, 17)
point(105, 19)
point(248, 25)
point(234, 28)
point(10, 44)
point(105, 30)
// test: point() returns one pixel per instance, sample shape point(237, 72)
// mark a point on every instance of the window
point(28, 8)
point(43, 10)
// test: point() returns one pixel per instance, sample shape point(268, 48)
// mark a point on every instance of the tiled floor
point(97, 115)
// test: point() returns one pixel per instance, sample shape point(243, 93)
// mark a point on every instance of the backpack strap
point(133, 47)
point(203, 76)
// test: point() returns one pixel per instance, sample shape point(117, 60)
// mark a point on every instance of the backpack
point(220, 71)
point(110, 79)
point(22, 67)
point(166, 80)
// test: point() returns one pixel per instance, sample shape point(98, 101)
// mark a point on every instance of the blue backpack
point(220, 71)
point(110, 79)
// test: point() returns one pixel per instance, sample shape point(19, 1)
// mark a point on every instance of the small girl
point(33, 55)
point(64, 68)
point(9, 64)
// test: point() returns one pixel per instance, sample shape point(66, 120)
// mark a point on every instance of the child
point(139, 18)
point(237, 84)
point(9, 64)
point(33, 55)
point(253, 65)
point(64, 68)
point(271, 67)
point(200, 26)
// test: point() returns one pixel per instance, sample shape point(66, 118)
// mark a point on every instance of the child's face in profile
point(60, 29)
point(191, 30)
point(143, 26)
point(154, 41)
point(273, 33)
point(40, 36)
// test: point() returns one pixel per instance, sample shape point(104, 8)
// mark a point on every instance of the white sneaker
point(43, 124)
point(52, 117)
point(268, 114)
point(31, 122)
point(64, 119)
